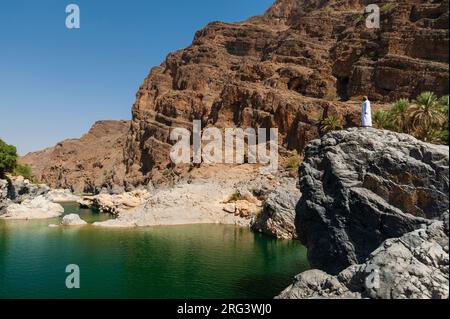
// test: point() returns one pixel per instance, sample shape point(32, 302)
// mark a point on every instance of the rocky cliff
point(88, 164)
point(370, 199)
point(290, 68)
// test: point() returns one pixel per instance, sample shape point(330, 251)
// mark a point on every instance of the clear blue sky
point(55, 82)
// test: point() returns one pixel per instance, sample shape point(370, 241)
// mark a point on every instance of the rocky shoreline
point(254, 202)
point(240, 197)
point(373, 212)
point(21, 199)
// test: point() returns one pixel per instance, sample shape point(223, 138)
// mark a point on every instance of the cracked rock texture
point(374, 217)
point(278, 215)
point(363, 186)
point(414, 266)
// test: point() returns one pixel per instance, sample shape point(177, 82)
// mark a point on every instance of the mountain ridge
point(289, 68)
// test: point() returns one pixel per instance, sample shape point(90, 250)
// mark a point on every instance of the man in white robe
point(366, 114)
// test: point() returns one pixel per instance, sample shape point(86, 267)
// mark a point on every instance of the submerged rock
point(363, 186)
point(72, 220)
point(36, 208)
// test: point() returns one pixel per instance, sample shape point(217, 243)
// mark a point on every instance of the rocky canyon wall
point(290, 68)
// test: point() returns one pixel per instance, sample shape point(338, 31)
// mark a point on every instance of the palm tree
point(443, 102)
point(426, 115)
point(331, 123)
point(382, 120)
point(400, 115)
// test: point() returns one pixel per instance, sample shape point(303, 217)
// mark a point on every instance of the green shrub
point(8, 158)
point(25, 171)
point(388, 7)
point(235, 197)
point(383, 120)
point(426, 118)
point(293, 162)
point(331, 123)
point(358, 19)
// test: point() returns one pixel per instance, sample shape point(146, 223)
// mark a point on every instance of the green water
point(200, 261)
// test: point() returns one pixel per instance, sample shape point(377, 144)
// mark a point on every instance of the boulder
point(4, 200)
point(363, 186)
point(21, 189)
point(115, 204)
point(414, 266)
point(36, 208)
point(278, 215)
point(72, 220)
point(61, 196)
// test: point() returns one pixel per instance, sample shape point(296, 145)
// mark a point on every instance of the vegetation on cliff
point(426, 118)
point(9, 162)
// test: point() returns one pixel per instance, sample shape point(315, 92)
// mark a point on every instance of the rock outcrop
point(21, 189)
point(84, 165)
point(4, 200)
point(363, 186)
point(72, 220)
point(278, 215)
point(61, 196)
point(213, 195)
point(374, 217)
point(16, 189)
point(36, 208)
point(414, 266)
point(115, 204)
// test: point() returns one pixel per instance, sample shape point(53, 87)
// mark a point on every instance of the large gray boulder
point(278, 215)
point(33, 208)
point(21, 189)
point(414, 266)
point(4, 200)
point(361, 187)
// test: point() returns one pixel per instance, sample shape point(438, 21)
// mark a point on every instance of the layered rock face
point(289, 68)
point(363, 186)
point(87, 164)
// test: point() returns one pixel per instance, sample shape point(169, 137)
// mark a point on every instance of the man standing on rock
point(366, 115)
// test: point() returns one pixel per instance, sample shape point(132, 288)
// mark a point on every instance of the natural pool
point(199, 261)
